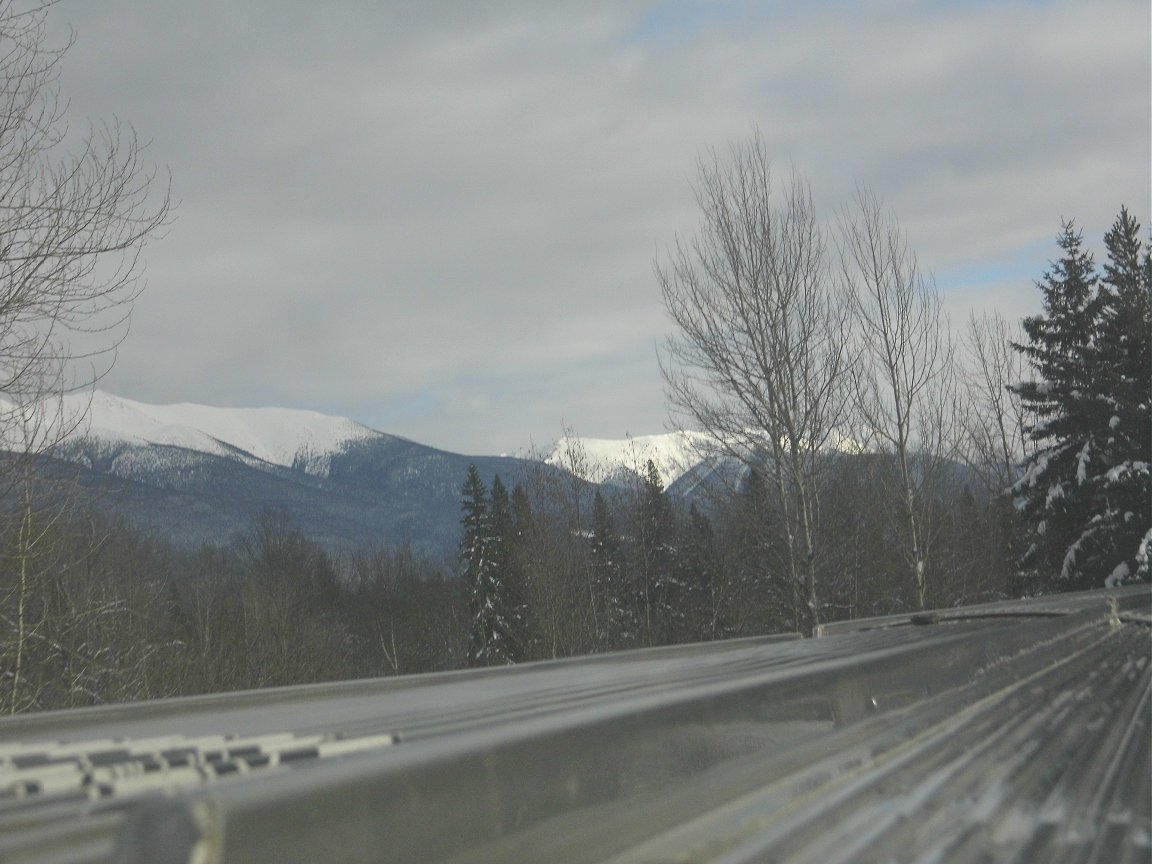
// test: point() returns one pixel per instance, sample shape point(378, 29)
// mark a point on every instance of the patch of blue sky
point(1025, 266)
point(682, 19)
point(975, 4)
point(985, 274)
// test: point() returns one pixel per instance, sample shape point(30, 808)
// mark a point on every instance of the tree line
point(792, 337)
point(570, 570)
point(94, 611)
point(886, 464)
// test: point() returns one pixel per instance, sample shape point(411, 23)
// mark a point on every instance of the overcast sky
point(439, 218)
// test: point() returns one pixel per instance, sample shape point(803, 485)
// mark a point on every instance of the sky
point(440, 218)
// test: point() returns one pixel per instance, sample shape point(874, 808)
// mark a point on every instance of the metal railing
point(1015, 731)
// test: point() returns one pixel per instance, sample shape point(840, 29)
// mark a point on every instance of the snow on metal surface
point(1012, 732)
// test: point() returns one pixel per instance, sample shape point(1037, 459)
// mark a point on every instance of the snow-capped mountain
point(681, 458)
point(621, 460)
point(276, 436)
point(199, 474)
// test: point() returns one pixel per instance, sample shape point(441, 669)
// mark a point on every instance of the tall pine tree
point(524, 536)
point(698, 576)
point(1083, 492)
point(655, 553)
point(617, 593)
point(1123, 364)
point(504, 585)
point(491, 641)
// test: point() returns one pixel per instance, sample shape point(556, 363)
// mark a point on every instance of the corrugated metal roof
point(1007, 732)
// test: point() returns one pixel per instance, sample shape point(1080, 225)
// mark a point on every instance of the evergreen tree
point(490, 641)
point(500, 522)
point(523, 535)
point(758, 570)
point(698, 579)
point(656, 554)
point(621, 625)
point(1049, 494)
point(505, 583)
point(1123, 364)
point(523, 520)
point(1083, 492)
point(474, 556)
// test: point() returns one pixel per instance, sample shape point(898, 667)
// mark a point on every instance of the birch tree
point(904, 381)
point(758, 358)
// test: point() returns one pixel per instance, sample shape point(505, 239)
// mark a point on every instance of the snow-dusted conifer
point(1084, 491)
point(481, 551)
point(1123, 364)
point(508, 612)
point(500, 523)
point(474, 556)
point(524, 529)
point(758, 571)
point(1050, 493)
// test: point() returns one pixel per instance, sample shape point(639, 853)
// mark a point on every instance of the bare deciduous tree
point(759, 358)
point(75, 214)
point(995, 427)
point(904, 376)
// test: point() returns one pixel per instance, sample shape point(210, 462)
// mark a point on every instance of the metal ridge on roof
point(1009, 732)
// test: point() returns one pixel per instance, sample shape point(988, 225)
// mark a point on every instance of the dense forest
point(95, 612)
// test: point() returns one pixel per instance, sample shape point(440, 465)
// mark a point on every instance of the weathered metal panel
point(1006, 732)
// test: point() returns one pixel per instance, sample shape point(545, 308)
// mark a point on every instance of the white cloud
point(442, 216)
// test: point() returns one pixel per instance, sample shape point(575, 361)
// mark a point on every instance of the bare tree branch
point(904, 381)
point(759, 358)
point(75, 215)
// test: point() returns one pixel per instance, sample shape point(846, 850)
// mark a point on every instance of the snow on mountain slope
point(615, 459)
point(278, 436)
point(621, 460)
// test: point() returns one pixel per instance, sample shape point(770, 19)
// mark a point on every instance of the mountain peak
point(277, 436)
point(616, 460)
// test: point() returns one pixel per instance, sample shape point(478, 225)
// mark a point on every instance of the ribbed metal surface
point(1010, 732)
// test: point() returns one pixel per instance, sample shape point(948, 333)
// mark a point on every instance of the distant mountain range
point(199, 474)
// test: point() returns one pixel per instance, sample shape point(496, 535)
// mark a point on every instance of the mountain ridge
point(306, 439)
point(198, 474)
